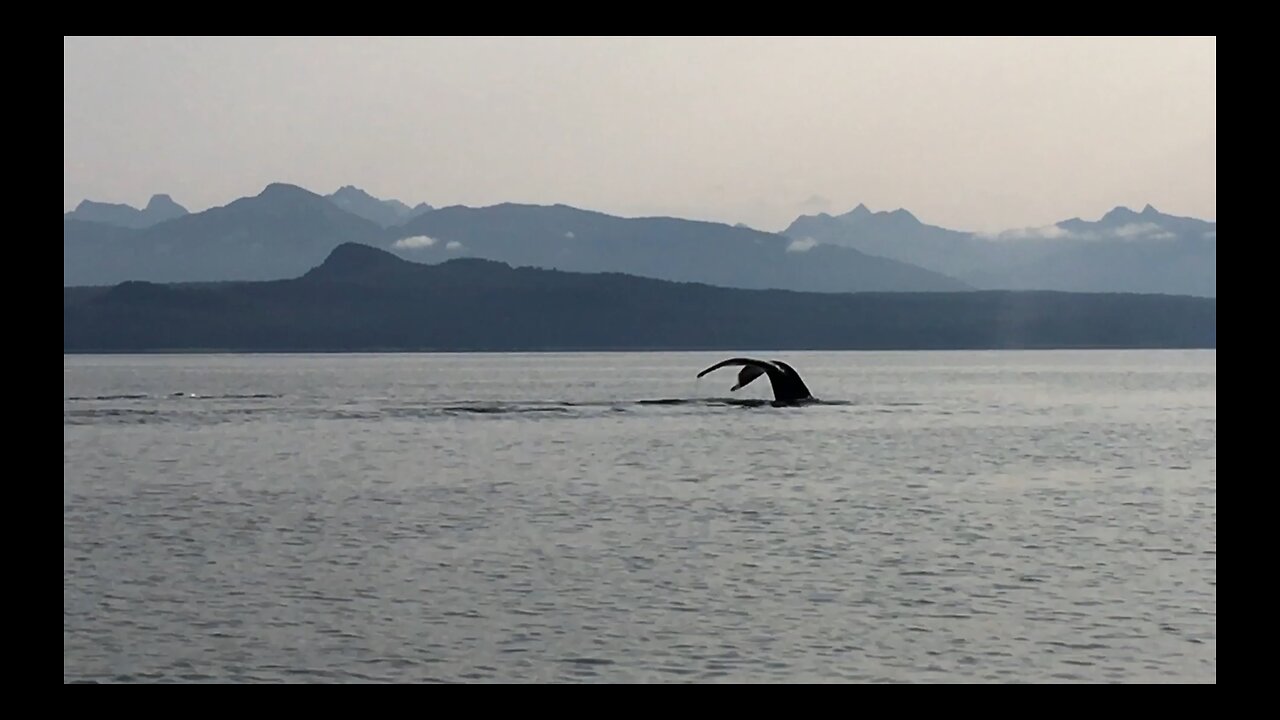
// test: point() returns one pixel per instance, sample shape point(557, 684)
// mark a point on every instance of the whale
point(788, 386)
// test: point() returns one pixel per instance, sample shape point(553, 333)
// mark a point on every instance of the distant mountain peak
point(350, 261)
point(87, 204)
point(862, 213)
point(162, 207)
point(385, 213)
point(352, 191)
point(279, 189)
point(1119, 213)
point(352, 252)
point(365, 264)
point(1148, 210)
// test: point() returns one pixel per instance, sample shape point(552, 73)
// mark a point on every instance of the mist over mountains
point(284, 231)
point(1124, 251)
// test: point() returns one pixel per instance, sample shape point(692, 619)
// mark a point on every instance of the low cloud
point(1046, 232)
point(1141, 231)
point(453, 245)
point(570, 235)
point(1130, 231)
point(802, 245)
point(1137, 230)
point(415, 242)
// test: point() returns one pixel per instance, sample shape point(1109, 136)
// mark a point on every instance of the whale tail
point(786, 382)
point(747, 374)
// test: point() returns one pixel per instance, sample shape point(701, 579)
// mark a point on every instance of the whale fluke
point(786, 382)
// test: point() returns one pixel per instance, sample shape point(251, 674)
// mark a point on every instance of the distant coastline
point(363, 299)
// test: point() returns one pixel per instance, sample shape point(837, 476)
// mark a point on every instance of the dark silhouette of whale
point(786, 382)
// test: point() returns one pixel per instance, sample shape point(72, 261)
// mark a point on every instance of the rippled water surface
point(607, 517)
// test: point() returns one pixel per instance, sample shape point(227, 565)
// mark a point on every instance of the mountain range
point(362, 298)
point(160, 208)
point(1124, 251)
point(285, 230)
point(385, 213)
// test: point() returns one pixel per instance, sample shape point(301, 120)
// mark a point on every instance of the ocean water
point(606, 517)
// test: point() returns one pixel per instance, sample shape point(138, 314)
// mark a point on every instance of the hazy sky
point(969, 133)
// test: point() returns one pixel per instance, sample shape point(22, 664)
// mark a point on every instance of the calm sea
point(942, 517)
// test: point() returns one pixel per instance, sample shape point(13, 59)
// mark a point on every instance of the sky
point(978, 134)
